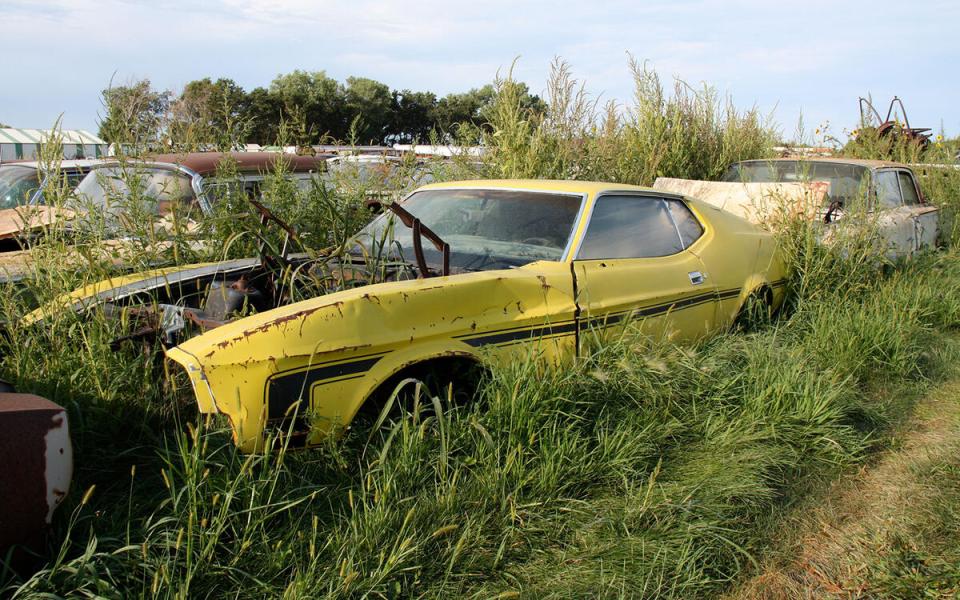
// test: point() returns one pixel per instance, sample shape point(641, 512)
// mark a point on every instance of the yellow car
point(466, 272)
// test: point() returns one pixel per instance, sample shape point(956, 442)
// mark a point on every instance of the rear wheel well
point(756, 308)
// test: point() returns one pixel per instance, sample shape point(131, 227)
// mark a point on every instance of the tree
point(208, 113)
point(4, 126)
point(263, 112)
point(134, 115)
point(372, 102)
point(413, 116)
point(453, 110)
point(316, 99)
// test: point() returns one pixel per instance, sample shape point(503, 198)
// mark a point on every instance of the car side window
point(171, 191)
point(623, 226)
point(687, 225)
point(908, 189)
point(888, 190)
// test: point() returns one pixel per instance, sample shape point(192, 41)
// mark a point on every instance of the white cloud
point(818, 54)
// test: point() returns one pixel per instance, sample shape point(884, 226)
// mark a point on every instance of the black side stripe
point(665, 307)
point(508, 336)
point(502, 336)
point(286, 389)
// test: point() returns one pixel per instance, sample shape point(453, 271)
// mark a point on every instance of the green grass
point(642, 469)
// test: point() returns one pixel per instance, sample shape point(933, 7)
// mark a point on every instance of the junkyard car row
point(463, 274)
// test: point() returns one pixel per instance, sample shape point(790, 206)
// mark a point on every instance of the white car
point(907, 221)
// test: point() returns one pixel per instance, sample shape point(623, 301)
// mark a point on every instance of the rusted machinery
point(869, 117)
point(36, 465)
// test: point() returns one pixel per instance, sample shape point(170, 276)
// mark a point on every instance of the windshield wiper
point(419, 231)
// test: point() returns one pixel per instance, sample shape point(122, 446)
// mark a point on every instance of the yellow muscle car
point(462, 273)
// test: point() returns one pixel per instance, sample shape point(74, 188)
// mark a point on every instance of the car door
point(926, 218)
point(633, 263)
point(894, 220)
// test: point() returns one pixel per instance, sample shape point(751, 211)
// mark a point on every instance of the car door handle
point(696, 277)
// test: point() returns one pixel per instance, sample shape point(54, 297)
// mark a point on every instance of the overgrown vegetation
point(691, 133)
point(642, 469)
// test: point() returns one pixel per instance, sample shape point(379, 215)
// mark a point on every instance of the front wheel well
point(464, 372)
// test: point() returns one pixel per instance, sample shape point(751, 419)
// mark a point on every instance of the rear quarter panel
point(738, 255)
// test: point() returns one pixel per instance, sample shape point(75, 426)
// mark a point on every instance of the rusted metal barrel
point(36, 464)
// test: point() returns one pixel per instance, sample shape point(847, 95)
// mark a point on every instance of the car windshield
point(375, 174)
point(117, 188)
point(18, 184)
point(486, 229)
point(847, 182)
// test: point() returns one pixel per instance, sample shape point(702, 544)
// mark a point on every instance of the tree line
point(301, 108)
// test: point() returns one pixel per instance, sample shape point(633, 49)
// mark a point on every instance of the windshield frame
point(196, 180)
point(575, 230)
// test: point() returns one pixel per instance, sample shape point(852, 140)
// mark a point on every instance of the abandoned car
point(22, 184)
point(188, 181)
point(148, 193)
point(455, 274)
point(825, 189)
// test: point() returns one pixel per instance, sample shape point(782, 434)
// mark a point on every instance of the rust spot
point(278, 322)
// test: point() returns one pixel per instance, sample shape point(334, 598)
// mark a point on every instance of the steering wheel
point(536, 241)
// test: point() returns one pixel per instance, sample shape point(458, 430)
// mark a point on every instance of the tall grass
point(642, 469)
point(691, 133)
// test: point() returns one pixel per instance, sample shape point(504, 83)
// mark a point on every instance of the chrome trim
point(675, 226)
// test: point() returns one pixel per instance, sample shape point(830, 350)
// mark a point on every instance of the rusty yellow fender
point(336, 349)
point(332, 352)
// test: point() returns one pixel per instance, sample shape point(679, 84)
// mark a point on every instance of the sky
point(787, 58)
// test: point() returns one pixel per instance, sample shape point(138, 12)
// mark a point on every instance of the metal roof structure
point(39, 136)
point(24, 144)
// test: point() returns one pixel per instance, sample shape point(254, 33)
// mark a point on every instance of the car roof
point(77, 163)
point(207, 162)
point(545, 185)
point(860, 162)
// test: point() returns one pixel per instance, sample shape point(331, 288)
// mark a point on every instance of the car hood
point(16, 221)
point(121, 287)
point(393, 308)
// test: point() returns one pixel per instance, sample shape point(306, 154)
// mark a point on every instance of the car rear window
point(847, 182)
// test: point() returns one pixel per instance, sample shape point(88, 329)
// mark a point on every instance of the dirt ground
point(830, 549)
